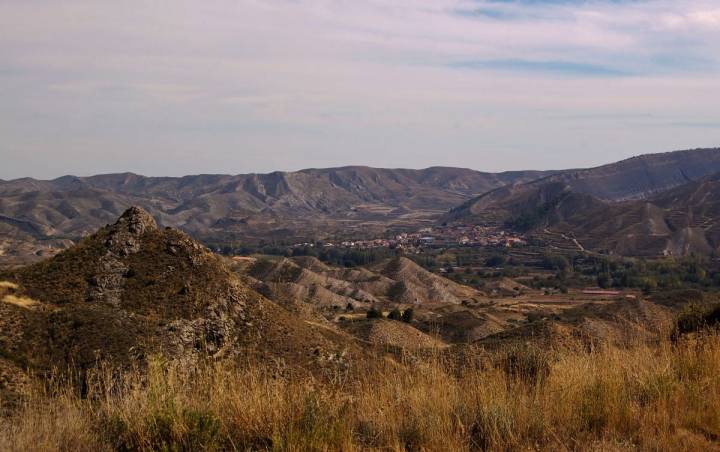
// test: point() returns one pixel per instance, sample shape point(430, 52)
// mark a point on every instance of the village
point(435, 237)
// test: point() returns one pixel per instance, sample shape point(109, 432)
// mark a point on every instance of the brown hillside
point(415, 285)
point(221, 208)
point(133, 289)
point(680, 221)
point(621, 323)
point(392, 333)
point(324, 287)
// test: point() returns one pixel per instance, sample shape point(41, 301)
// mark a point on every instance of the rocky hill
point(132, 290)
point(397, 281)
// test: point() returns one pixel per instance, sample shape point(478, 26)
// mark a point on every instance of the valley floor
point(664, 396)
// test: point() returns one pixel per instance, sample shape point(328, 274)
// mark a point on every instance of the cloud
point(550, 67)
point(257, 85)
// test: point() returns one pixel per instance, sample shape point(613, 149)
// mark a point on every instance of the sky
point(186, 87)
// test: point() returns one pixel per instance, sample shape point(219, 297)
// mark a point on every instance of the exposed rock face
point(107, 285)
point(124, 238)
point(132, 290)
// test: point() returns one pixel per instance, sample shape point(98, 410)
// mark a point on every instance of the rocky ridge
point(133, 290)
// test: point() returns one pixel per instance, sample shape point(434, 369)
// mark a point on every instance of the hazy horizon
point(339, 166)
point(255, 86)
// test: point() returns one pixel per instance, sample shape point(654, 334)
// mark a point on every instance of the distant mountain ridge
point(665, 217)
point(351, 201)
point(250, 205)
point(642, 176)
point(634, 178)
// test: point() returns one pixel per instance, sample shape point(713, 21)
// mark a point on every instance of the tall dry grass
point(664, 397)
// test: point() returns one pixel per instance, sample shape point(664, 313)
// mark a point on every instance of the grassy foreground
point(664, 397)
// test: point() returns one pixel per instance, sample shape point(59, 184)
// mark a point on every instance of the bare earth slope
point(415, 285)
point(399, 281)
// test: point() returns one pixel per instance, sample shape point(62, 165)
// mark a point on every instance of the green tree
point(603, 280)
point(374, 313)
point(395, 314)
point(408, 315)
point(496, 260)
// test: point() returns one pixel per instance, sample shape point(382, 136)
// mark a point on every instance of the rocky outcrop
point(133, 290)
point(123, 239)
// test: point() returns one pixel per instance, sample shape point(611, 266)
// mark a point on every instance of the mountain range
point(251, 207)
point(38, 217)
point(666, 204)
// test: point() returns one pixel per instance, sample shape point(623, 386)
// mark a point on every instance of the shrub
point(374, 313)
point(529, 363)
point(555, 262)
point(603, 280)
point(395, 314)
point(496, 260)
point(696, 317)
point(396, 291)
point(678, 297)
point(408, 315)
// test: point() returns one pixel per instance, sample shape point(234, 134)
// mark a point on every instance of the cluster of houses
point(467, 235)
point(437, 237)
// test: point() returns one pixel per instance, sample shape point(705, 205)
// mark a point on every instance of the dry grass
point(7, 285)
point(23, 302)
point(664, 397)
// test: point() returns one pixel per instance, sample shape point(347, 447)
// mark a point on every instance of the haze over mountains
point(359, 201)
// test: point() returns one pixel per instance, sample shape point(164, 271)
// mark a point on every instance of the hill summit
point(133, 289)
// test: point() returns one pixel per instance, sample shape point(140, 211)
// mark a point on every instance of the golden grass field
point(659, 397)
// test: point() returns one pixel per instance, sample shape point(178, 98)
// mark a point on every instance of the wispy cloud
point(565, 68)
point(280, 84)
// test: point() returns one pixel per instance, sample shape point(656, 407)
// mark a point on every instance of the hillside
point(619, 323)
point(679, 221)
point(221, 208)
point(640, 177)
point(132, 290)
point(415, 285)
point(308, 281)
point(635, 178)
